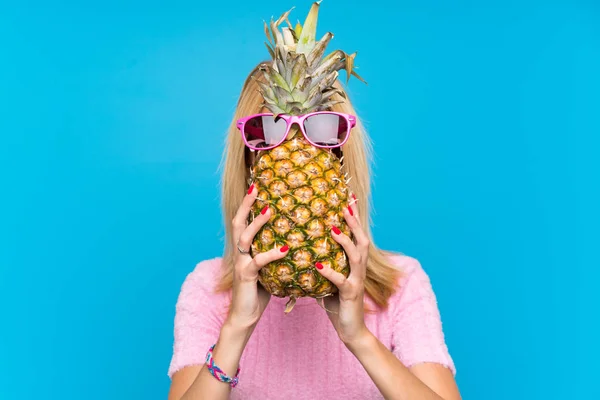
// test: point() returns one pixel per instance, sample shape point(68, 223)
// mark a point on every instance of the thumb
point(335, 277)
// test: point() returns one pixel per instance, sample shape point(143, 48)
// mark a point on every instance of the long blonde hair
point(382, 276)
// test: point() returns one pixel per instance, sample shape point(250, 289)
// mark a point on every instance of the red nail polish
point(336, 230)
point(319, 265)
point(264, 210)
point(350, 211)
point(251, 188)
point(284, 248)
point(354, 196)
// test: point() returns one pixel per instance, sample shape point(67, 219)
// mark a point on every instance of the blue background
point(485, 121)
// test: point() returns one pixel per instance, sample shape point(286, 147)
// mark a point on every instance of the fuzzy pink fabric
point(299, 355)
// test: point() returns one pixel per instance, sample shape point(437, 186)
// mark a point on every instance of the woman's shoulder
point(201, 282)
point(413, 280)
point(416, 322)
point(406, 264)
point(206, 269)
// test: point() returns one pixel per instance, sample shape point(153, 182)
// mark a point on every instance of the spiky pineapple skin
point(304, 187)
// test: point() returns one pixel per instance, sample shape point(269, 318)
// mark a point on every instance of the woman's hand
point(347, 307)
point(249, 299)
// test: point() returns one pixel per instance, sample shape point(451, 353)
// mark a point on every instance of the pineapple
point(303, 185)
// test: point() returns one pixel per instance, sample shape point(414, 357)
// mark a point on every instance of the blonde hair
point(382, 276)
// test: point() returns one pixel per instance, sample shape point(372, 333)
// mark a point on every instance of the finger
point(362, 240)
point(262, 259)
point(248, 234)
point(353, 206)
point(355, 255)
point(351, 249)
point(239, 221)
point(335, 277)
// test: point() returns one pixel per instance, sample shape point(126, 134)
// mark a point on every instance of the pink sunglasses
point(325, 129)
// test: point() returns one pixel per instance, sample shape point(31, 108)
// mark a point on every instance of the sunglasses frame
point(298, 119)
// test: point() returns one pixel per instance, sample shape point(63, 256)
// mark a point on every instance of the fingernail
point(251, 188)
point(284, 248)
point(336, 230)
point(319, 265)
point(264, 210)
point(354, 196)
point(350, 211)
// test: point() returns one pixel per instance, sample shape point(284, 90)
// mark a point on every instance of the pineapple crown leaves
point(300, 79)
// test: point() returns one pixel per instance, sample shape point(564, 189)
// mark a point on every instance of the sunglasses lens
point(264, 131)
point(327, 130)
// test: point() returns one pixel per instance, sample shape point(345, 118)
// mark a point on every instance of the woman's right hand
point(248, 302)
point(249, 299)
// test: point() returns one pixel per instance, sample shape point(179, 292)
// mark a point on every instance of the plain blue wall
point(485, 121)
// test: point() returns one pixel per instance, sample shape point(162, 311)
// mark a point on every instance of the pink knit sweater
point(299, 355)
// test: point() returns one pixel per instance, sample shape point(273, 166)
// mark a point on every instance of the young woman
point(393, 350)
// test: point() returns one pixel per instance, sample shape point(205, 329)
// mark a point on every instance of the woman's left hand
point(346, 309)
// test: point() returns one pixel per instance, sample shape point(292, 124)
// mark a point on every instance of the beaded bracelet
point(218, 372)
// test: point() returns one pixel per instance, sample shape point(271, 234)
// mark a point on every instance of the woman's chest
point(300, 356)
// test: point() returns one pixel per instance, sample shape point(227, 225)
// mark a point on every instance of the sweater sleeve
point(197, 319)
point(418, 336)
